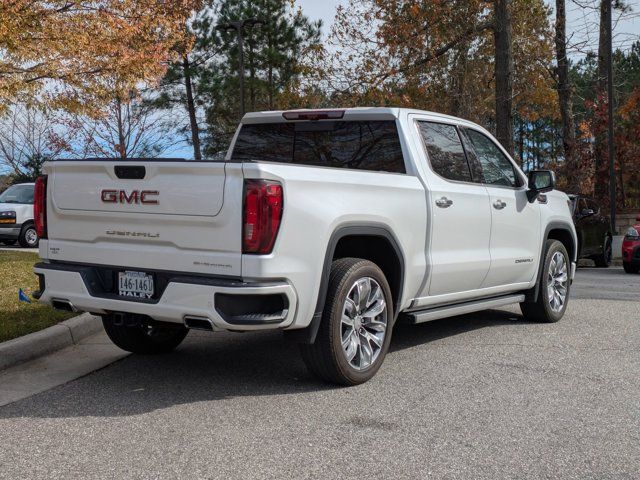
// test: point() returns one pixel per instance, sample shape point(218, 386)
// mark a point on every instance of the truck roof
point(357, 113)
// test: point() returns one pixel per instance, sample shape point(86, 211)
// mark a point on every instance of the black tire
point(604, 259)
point(8, 242)
point(28, 237)
point(326, 358)
point(630, 268)
point(541, 310)
point(146, 338)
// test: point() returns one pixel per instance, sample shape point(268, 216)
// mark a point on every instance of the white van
point(16, 216)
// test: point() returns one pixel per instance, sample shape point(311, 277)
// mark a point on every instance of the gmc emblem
point(135, 196)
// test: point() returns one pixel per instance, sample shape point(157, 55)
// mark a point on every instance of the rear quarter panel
point(318, 201)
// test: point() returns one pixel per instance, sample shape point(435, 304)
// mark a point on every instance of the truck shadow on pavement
point(210, 367)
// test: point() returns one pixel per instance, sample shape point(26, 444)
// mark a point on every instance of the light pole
point(239, 27)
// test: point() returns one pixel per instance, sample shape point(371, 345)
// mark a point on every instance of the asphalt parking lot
point(479, 396)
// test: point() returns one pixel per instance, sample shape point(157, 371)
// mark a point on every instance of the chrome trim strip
point(467, 307)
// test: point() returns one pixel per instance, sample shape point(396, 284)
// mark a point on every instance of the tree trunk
point(622, 196)
point(459, 105)
point(601, 187)
point(191, 109)
point(121, 148)
point(521, 142)
point(504, 74)
point(270, 70)
point(252, 76)
point(270, 45)
point(564, 98)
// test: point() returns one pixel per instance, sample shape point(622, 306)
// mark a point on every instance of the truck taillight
point(263, 202)
point(40, 206)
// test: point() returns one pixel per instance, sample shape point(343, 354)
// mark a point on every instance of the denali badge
point(524, 260)
point(132, 234)
point(135, 196)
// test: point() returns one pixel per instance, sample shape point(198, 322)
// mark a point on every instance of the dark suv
point(593, 229)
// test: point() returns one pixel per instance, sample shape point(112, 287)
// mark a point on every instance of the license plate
point(135, 284)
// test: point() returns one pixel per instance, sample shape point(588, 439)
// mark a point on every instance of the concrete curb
point(57, 337)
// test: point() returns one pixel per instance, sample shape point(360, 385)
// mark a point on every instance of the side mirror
point(540, 181)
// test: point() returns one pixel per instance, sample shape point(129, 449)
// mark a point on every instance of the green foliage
point(584, 75)
point(19, 318)
point(590, 110)
point(272, 59)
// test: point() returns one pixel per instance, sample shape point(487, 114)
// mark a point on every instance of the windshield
point(17, 194)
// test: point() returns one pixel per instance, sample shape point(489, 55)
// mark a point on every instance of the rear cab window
point(359, 145)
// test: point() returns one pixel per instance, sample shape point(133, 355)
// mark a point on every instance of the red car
point(631, 249)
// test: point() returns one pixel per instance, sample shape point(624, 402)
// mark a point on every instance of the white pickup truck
point(326, 224)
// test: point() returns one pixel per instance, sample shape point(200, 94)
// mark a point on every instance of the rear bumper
point(228, 304)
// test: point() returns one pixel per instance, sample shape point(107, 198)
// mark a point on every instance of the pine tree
point(206, 82)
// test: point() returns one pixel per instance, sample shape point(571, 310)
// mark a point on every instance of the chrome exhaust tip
point(198, 323)
point(63, 305)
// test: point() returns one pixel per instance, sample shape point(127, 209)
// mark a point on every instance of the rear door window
point(445, 151)
point(366, 145)
point(496, 167)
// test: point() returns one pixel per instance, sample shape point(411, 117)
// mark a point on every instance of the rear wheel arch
point(374, 242)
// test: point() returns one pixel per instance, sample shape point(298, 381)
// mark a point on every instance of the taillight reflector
point(40, 206)
point(263, 202)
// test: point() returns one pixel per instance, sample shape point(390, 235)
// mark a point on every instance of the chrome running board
point(437, 313)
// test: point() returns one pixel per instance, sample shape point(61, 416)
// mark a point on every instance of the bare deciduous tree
point(128, 128)
point(28, 137)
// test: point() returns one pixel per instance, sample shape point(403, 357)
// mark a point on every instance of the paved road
point(606, 284)
point(479, 396)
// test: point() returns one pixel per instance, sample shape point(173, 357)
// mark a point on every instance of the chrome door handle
point(499, 204)
point(444, 202)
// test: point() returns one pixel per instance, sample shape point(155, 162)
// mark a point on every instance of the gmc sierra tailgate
point(163, 215)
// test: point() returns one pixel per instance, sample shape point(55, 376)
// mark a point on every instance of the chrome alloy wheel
point(364, 323)
point(557, 279)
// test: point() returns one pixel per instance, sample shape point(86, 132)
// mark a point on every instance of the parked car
point(16, 216)
point(631, 248)
point(326, 224)
point(593, 229)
